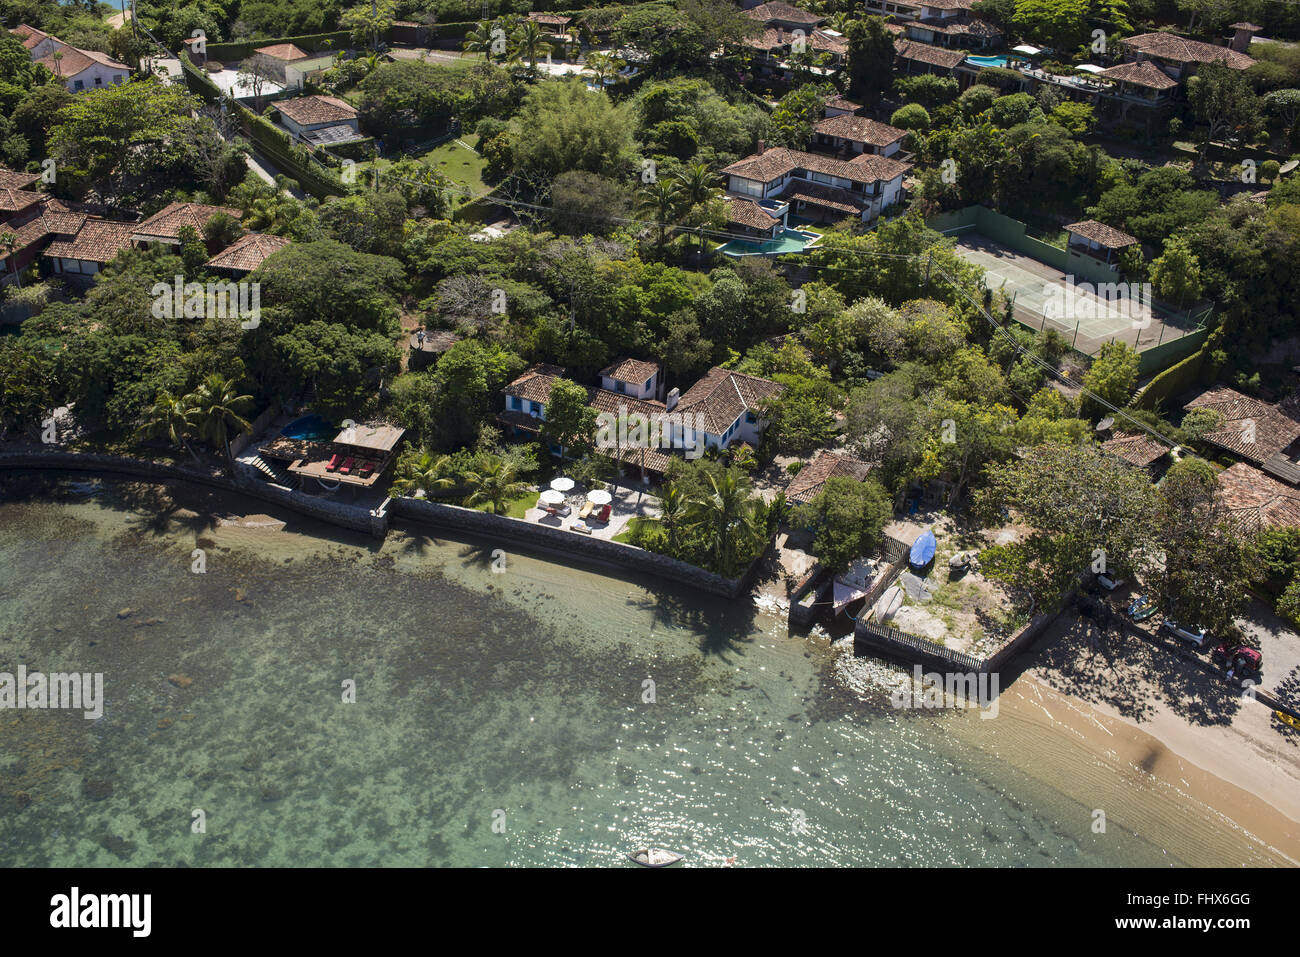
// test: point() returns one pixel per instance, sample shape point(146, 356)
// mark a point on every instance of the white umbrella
point(552, 497)
point(562, 484)
point(599, 497)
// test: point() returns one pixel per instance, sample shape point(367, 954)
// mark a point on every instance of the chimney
point(762, 147)
point(673, 395)
point(780, 36)
point(1242, 34)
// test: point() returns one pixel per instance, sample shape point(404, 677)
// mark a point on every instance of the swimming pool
point(790, 241)
point(309, 427)
point(982, 61)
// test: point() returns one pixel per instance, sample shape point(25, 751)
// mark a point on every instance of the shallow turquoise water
point(515, 700)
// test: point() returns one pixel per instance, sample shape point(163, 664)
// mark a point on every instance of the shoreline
point(1214, 787)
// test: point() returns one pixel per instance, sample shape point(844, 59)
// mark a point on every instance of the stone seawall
point(351, 517)
point(561, 541)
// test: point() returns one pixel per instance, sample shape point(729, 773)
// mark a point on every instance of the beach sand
point(1221, 758)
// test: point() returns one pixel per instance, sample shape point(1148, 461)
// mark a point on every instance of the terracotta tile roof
point(842, 103)
point(945, 4)
point(16, 200)
point(69, 63)
point(550, 19)
point(828, 197)
point(631, 370)
point(309, 110)
point(1100, 233)
point(860, 129)
point(167, 222)
point(774, 11)
point(1143, 73)
point(778, 161)
point(769, 39)
point(103, 58)
point(812, 478)
point(12, 179)
point(58, 223)
point(962, 26)
point(897, 29)
point(248, 252)
point(536, 382)
point(924, 53)
point(98, 240)
point(1170, 46)
point(284, 51)
point(1255, 501)
point(1254, 429)
point(746, 212)
point(603, 400)
point(828, 42)
point(31, 37)
point(1140, 449)
point(656, 460)
point(722, 395)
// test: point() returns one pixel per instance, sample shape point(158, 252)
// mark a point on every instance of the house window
point(750, 418)
point(99, 81)
point(78, 85)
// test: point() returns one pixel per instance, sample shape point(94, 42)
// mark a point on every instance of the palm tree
point(424, 474)
point(661, 200)
point(605, 66)
point(170, 417)
point(480, 39)
point(530, 43)
point(9, 242)
point(494, 484)
point(727, 516)
point(673, 509)
point(217, 407)
point(696, 182)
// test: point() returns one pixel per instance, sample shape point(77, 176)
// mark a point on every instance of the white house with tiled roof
point(307, 117)
point(164, 227)
point(246, 253)
point(80, 255)
point(725, 407)
point(819, 187)
point(851, 133)
point(633, 377)
point(76, 69)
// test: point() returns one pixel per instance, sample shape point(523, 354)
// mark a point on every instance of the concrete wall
point(571, 544)
point(353, 517)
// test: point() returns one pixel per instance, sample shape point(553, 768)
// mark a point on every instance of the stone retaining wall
point(563, 542)
point(338, 513)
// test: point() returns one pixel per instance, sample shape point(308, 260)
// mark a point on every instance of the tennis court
point(1088, 315)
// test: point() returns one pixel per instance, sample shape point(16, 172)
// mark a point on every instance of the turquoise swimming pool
point(982, 61)
point(790, 241)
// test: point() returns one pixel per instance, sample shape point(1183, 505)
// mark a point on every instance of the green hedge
point(312, 43)
point(1178, 378)
point(269, 139)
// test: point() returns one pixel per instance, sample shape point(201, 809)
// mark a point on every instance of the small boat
point(654, 857)
point(888, 604)
point(922, 550)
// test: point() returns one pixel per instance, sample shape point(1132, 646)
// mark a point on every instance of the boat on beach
point(654, 857)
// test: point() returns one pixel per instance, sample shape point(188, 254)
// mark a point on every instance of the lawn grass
point(517, 506)
point(632, 525)
point(459, 164)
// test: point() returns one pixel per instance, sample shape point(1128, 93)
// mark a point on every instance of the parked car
point(1141, 608)
point(1193, 636)
point(873, 374)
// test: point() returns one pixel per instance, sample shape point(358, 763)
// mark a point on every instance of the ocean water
point(544, 715)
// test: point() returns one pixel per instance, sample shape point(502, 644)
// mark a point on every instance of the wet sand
point(1223, 757)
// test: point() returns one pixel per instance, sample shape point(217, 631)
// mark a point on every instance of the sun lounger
point(366, 468)
point(348, 464)
point(604, 513)
point(549, 510)
point(333, 464)
point(580, 527)
point(586, 509)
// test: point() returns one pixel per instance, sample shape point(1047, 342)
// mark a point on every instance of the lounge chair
point(348, 465)
point(586, 509)
point(550, 510)
point(366, 468)
point(580, 527)
point(333, 463)
point(604, 513)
